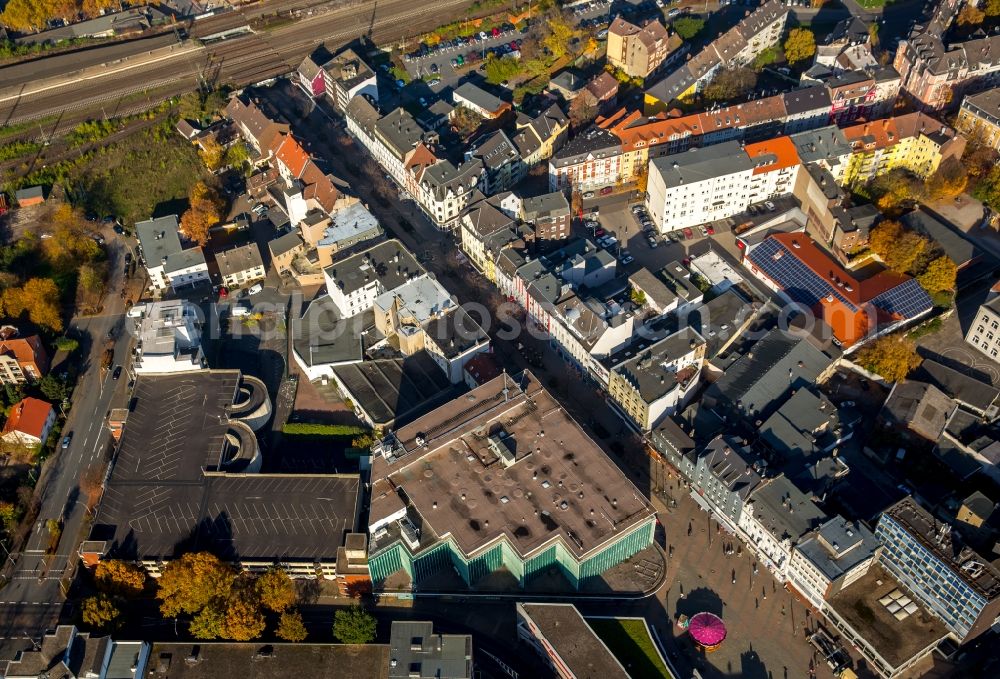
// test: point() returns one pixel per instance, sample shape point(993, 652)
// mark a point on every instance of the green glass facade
point(446, 554)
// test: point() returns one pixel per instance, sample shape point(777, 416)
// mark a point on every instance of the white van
point(238, 310)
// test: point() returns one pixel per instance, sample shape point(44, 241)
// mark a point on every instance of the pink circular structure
point(707, 630)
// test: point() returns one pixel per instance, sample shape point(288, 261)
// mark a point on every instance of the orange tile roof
point(291, 154)
point(878, 134)
point(25, 350)
point(781, 148)
point(28, 416)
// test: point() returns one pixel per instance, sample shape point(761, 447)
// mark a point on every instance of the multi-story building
point(853, 308)
point(68, 653)
point(715, 182)
point(255, 125)
point(512, 432)
point(831, 558)
point(914, 142)
point(22, 359)
point(936, 74)
point(657, 381)
point(355, 282)
point(984, 332)
point(955, 583)
point(539, 137)
point(340, 77)
point(738, 46)
point(241, 265)
point(549, 217)
point(169, 338)
point(168, 263)
point(592, 160)
point(639, 50)
point(979, 118)
point(485, 231)
point(774, 517)
point(29, 422)
point(725, 474)
point(503, 167)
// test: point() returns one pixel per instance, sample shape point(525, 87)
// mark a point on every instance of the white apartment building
point(706, 184)
point(774, 517)
point(831, 558)
point(357, 281)
point(169, 338)
point(984, 333)
point(168, 263)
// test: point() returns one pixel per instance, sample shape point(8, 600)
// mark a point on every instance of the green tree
point(192, 582)
point(276, 590)
point(939, 275)
point(893, 357)
point(120, 578)
point(237, 155)
point(100, 612)
point(687, 26)
point(354, 626)
point(53, 388)
point(207, 624)
point(766, 58)
point(10, 514)
point(499, 70)
point(800, 45)
point(291, 627)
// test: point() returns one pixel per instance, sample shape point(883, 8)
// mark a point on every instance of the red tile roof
point(781, 149)
point(28, 417)
point(291, 154)
point(26, 350)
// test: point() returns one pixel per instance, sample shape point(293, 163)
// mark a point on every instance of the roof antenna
point(505, 385)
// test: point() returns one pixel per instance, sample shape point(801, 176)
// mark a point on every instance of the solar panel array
point(797, 280)
point(907, 300)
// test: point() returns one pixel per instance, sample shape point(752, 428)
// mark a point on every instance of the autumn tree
point(731, 84)
point(291, 627)
point(949, 180)
point(207, 624)
point(800, 45)
point(120, 578)
point(237, 155)
point(895, 188)
point(204, 212)
point(242, 620)
point(211, 153)
point(276, 590)
point(939, 275)
point(992, 8)
point(100, 612)
point(582, 111)
point(892, 357)
point(39, 297)
point(970, 16)
point(560, 33)
point(192, 582)
point(10, 514)
point(354, 625)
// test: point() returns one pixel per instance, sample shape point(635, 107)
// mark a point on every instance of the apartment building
point(169, 263)
point(775, 516)
point(240, 266)
point(658, 381)
point(169, 337)
point(257, 126)
point(340, 77)
point(539, 137)
point(955, 583)
point(22, 359)
point(549, 217)
point(639, 50)
point(357, 281)
point(830, 558)
point(935, 74)
point(503, 167)
point(485, 231)
point(724, 475)
point(979, 118)
point(984, 332)
point(705, 184)
point(914, 142)
point(738, 46)
point(592, 160)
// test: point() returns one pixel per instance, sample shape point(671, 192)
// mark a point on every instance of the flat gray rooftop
point(231, 660)
point(560, 484)
point(389, 262)
point(574, 640)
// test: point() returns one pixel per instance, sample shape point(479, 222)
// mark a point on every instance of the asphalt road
point(32, 599)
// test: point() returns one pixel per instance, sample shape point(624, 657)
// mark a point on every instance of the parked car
point(769, 205)
point(652, 242)
point(119, 230)
point(255, 288)
point(688, 233)
point(704, 231)
point(400, 83)
point(711, 230)
point(434, 81)
point(627, 259)
point(606, 190)
point(636, 209)
point(599, 232)
point(602, 34)
point(587, 195)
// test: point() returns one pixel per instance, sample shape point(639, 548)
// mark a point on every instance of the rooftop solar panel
point(906, 300)
point(797, 280)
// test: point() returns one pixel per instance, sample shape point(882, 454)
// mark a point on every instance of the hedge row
point(305, 428)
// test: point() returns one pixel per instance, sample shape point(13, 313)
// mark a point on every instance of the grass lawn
point(632, 645)
point(873, 4)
